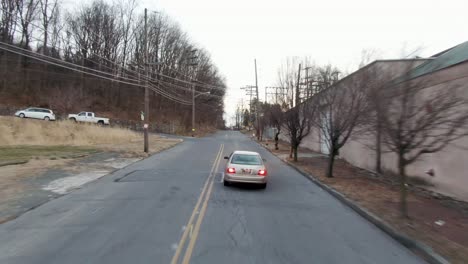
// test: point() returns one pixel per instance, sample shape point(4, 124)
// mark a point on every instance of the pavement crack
point(231, 236)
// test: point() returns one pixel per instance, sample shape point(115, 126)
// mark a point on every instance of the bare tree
point(287, 77)
point(27, 12)
point(419, 119)
point(369, 55)
point(376, 80)
point(107, 37)
point(298, 126)
point(49, 12)
point(275, 118)
point(8, 20)
point(297, 120)
point(340, 109)
point(7, 30)
point(246, 118)
point(126, 9)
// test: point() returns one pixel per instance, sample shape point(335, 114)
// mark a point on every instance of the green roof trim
point(453, 56)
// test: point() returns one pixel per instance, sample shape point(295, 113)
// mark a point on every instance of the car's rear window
point(246, 159)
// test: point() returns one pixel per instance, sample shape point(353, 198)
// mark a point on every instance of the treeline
point(93, 58)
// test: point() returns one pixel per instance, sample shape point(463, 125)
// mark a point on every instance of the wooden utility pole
point(308, 82)
point(193, 63)
point(298, 94)
point(275, 94)
point(242, 111)
point(258, 102)
point(146, 115)
point(249, 89)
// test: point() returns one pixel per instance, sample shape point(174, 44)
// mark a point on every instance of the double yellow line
point(191, 231)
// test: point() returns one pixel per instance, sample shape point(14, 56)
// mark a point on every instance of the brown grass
point(16, 131)
point(38, 138)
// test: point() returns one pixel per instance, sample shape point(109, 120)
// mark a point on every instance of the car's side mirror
point(264, 160)
point(226, 157)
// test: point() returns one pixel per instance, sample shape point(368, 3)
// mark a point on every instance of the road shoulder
point(27, 185)
point(417, 247)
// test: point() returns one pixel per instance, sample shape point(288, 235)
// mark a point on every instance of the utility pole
point(309, 83)
point(146, 115)
point(242, 113)
point(249, 89)
point(193, 110)
point(258, 101)
point(298, 95)
point(193, 63)
point(275, 93)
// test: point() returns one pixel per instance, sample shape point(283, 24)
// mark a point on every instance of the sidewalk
point(435, 220)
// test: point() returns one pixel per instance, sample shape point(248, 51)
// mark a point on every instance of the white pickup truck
point(88, 117)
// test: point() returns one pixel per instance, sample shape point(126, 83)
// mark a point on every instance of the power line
point(120, 66)
point(79, 66)
point(157, 90)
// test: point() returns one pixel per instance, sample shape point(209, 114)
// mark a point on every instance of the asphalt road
point(173, 208)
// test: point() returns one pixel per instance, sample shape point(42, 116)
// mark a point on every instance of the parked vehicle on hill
point(88, 117)
point(36, 113)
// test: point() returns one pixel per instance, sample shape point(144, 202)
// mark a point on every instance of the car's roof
point(245, 152)
point(38, 108)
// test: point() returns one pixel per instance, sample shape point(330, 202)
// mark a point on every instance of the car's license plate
point(246, 171)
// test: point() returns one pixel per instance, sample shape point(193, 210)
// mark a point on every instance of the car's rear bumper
point(245, 179)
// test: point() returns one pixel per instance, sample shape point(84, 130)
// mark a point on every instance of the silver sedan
point(246, 167)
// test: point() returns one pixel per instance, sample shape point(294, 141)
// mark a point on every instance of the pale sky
point(329, 31)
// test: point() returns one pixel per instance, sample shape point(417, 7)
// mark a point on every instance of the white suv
point(38, 113)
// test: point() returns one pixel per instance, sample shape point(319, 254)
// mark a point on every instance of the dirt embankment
point(16, 131)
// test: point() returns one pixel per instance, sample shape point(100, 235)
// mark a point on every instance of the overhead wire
point(22, 53)
point(159, 91)
point(201, 84)
point(144, 77)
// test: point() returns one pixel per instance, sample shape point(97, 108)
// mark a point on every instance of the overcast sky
point(235, 32)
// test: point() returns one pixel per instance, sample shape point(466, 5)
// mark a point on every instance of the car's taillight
point(231, 170)
point(262, 172)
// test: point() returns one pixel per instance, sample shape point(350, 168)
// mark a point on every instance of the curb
point(8, 163)
point(426, 252)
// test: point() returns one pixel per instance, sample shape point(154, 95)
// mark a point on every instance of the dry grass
point(16, 131)
point(135, 147)
point(23, 139)
point(26, 152)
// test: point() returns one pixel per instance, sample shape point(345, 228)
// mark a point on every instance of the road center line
point(193, 239)
point(195, 211)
